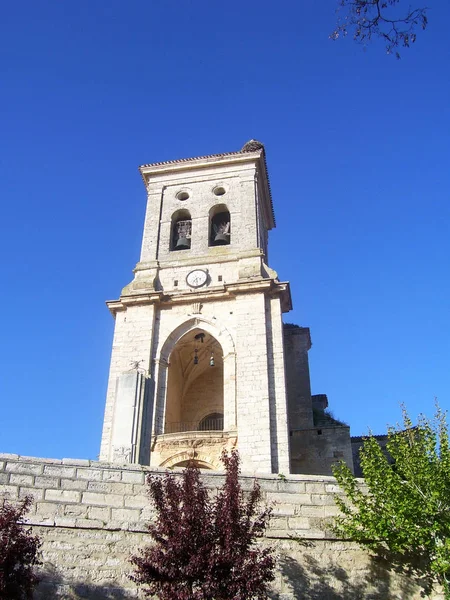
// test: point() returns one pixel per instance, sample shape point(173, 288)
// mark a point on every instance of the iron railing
point(205, 425)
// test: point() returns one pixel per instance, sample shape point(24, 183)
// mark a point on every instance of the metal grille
point(207, 424)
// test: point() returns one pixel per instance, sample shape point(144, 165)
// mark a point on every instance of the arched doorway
point(195, 384)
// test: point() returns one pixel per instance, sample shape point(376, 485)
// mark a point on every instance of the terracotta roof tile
point(183, 160)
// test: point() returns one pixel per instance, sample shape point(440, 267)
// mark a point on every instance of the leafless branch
point(367, 19)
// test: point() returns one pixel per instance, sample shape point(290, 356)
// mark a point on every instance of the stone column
point(128, 412)
point(277, 386)
point(253, 415)
point(229, 391)
point(133, 335)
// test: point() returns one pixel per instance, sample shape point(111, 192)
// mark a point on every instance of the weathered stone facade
point(91, 518)
point(201, 360)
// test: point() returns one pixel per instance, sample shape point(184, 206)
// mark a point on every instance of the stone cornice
point(198, 163)
point(221, 256)
point(116, 306)
point(222, 292)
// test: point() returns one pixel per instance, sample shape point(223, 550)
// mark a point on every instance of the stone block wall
point(315, 450)
point(91, 517)
point(297, 342)
point(199, 181)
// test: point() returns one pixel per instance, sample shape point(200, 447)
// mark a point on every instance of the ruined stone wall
point(91, 517)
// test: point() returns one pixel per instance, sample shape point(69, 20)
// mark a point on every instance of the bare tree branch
point(366, 19)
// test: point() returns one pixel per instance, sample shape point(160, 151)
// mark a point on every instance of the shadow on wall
point(307, 581)
point(54, 585)
point(312, 581)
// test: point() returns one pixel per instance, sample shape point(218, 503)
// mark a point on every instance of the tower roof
point(250, 146)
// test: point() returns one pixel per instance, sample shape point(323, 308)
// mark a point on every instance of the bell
point(183, 243)
point(221, 239)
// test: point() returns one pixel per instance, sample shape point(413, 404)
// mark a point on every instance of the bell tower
point(198, 357)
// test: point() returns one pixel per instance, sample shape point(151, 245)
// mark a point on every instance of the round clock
point(196, 278)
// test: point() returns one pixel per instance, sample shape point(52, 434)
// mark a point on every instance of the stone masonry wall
point(91, 518)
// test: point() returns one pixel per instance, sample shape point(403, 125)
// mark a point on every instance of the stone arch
point(201, 459)
point(223, 337)
point(221, 334)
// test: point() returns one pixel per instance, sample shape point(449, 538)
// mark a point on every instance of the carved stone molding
point(196, 308)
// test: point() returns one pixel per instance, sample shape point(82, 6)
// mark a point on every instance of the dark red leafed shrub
point(205, 548)
point(18, 553)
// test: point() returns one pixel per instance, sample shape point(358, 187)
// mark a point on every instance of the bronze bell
point(221, 239)
point(183, 234)
point(183, 243)
point(222, 231)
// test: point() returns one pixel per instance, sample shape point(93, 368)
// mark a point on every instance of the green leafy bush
point(403, 511)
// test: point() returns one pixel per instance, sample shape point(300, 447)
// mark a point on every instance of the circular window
point(219, 190)
point(183, 195)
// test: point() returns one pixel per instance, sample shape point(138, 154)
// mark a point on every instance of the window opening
point(181, 232)
point(220, 229)
point(219, 190)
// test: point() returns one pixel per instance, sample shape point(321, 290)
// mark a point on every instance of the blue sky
point(358, 148)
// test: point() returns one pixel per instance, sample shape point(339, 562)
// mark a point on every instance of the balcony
point(185, 442)
point(210, 423)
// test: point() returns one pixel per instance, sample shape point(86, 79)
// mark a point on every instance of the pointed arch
point(163, 360)
point(221, 334)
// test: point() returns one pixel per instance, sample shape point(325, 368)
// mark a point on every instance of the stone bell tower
point(198, 359)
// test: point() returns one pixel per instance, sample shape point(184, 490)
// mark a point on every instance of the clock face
point(196, 278)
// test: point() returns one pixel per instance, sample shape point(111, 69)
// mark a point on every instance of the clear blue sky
point(358, 147)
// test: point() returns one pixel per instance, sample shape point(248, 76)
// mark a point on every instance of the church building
point(201, 360)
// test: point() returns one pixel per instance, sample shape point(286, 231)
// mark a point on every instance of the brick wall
point(91, 517)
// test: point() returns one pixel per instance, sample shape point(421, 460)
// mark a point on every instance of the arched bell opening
point(181, 230)
point(220, 225)
point(195, 384)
